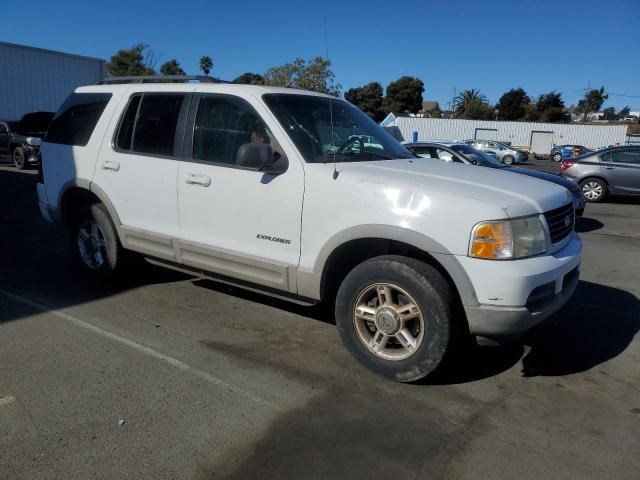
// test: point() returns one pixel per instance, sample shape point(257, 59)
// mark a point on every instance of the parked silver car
point(505, 153)
point(614, 171)
point(463, 153)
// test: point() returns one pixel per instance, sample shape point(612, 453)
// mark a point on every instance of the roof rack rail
point(159, 79)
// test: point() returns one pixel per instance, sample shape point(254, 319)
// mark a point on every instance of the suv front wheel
point(394, 315)
point(94, 243)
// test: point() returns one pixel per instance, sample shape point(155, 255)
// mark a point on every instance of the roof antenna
point(326, 55)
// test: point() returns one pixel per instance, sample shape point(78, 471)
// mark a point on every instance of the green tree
point(171, 67)
point(548, 108)
point(592, 102)
point(478, 110)
point(315, 75)
point(367, 98)
point(436, 113)
point(624, 112)
point(610, 114)
point(513, 104)
point(467, 99)
point(404, 95)
point(206, 64)
point(136, 61)
point(250, 79)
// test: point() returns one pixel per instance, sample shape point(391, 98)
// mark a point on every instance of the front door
point(234, 221)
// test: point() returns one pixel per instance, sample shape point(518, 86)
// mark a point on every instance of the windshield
point(483, 159)
point(307, 120)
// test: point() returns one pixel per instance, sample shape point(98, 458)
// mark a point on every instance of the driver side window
point(223, 124)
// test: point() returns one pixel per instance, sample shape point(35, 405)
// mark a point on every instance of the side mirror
point(260, 157)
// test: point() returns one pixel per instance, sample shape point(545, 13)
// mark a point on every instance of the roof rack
point(159, 79)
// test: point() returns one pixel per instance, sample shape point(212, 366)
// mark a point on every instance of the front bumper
point(516, 295)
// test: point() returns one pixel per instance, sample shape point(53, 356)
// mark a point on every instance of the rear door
point(138, 168)
point(622, 170)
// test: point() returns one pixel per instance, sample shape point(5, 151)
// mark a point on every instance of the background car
point(463, 153)
point(614, 171)
point(505, 153)
point(20, 141)
point(7, 129)
point(564, 152)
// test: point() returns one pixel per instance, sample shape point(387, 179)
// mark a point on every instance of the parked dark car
point(611, 171)
point(463, 153)
point(564, 152)
point(20, 141)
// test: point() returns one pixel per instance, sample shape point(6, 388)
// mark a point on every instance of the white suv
point(303, 196)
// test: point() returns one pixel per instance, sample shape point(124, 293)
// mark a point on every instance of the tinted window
point(223, 123)
point(74, 122)
point(3, 128)
point(34, 124)
point(155, 128)
point(125, 131)
point(627, 156)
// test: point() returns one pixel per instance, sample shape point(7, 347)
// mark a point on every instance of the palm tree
point(466, 98)
point(206, 64)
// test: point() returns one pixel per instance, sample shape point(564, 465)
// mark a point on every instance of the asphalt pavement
point(167, 376)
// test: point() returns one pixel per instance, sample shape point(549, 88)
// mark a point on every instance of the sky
point(493, 46)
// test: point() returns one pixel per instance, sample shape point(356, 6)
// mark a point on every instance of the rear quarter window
point(76, 119)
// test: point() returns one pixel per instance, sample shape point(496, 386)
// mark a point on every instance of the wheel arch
point(78, 193)
point(354, 246)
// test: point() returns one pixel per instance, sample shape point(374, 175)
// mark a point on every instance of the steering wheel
point(350, 143)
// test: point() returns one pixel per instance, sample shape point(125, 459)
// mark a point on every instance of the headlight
point(508, 239)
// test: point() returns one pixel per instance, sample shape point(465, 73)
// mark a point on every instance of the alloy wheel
point(388, 321)
point(592, 190)
point(18, 158)
point(91, 245)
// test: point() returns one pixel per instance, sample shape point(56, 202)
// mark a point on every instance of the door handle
point(609, 167)
point(111, 165)
point(202, 180)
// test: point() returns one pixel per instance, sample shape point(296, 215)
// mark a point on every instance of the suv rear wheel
point(94, 243)
point(394, 315)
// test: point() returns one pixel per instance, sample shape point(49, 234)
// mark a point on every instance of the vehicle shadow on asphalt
point(597, 325)
point(586, 224)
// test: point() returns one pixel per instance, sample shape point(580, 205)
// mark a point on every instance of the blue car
point(565, 152)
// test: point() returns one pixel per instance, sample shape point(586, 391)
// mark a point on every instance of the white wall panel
point(518, 133)
point(33, 79)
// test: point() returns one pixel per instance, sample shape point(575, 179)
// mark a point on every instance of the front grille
point(559, 227)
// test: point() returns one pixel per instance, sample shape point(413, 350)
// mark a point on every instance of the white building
point(34, 79)
point(540, 137)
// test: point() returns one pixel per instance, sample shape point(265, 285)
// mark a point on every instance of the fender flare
point(447, 260)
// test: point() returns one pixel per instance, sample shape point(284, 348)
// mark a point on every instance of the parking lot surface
point(167, 376)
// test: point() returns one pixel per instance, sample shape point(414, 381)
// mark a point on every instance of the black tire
point(593, 185)
point(508, 159)
point(113, 254)
point(557, 157)
point(428, 289)
point(19, 158)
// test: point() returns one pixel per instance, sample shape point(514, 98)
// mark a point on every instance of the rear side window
point(125, 132)
point(74, 122)
point(627, 156)
point(155, 127)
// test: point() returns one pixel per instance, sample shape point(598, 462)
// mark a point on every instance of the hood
point(549, 177)
point(515, 195)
